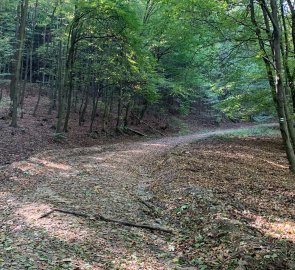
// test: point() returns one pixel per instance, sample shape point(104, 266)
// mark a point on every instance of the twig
point(103, 218)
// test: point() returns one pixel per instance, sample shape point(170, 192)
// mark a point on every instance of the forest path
point(107, 180)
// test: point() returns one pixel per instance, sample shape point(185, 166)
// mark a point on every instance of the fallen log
point(103, 218)
point(135, 131)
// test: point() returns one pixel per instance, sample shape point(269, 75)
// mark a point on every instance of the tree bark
point(22, 98)
point(16, 66)
point(285, 127)
point(276, 82)
point(60, 108)
point(69, 72)
point(119, 111)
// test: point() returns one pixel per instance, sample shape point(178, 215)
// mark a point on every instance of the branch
point(103, 218)
point(269, 14)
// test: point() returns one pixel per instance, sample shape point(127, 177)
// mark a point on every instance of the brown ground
point(230, 203)
point(234, 201)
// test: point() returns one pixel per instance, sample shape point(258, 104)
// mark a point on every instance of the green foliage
point(166, 53)
point(239, 89)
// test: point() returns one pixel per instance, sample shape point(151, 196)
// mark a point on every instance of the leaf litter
point(233, 199)
point(231, 202)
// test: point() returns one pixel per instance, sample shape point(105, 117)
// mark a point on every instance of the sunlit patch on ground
point(134, 262)
point(155, 144)
point(52, 165)
point(285, 167)
point(30, 168)
point(281, 229)
point(60, 226)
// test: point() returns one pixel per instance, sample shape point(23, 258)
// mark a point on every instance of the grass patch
point(253, 132)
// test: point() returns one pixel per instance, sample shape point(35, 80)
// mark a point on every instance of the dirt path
point(96, 179)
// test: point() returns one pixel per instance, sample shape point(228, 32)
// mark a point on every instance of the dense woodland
point(119, 59)
point(220, 198)
point(125, 57)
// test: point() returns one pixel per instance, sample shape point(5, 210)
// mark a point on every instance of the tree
point(278, 78)
point(16, 67)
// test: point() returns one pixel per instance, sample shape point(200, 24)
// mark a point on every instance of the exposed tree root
point(103, 218)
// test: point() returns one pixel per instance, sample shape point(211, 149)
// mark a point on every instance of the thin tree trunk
point(83, 108)
point(127, 109)
point(38, 101)
point(111, 105)
point(69, 73)
point(22, 100)
point(60, 91)
point(292, 8)
point(17, 60)
point(119, 112)
point(105, 111)
point(94, 108)
point(52, 105)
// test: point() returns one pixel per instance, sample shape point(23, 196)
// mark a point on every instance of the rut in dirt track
point(96, 179)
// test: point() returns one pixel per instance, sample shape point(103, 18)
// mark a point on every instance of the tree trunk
point(281, 95)
point(16, 66)
point(38, 101)
point(69, 73)
point(83, 107)
point(60, 91)
point(119, 109)
point(276, 82)
point(32, 41)
point(127, 109)
point(94, 108)
point(292, 8)
point(22, 99)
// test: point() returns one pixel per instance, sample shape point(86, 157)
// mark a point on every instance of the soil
point(230, 203)
point(233, 199)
